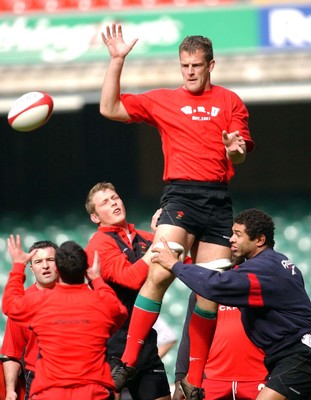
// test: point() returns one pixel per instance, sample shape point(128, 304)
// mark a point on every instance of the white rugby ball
point(30, 111)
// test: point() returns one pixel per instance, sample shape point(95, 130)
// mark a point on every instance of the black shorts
point(150, 384)
point(290, 372)
point(202, 209)
point(29, 377)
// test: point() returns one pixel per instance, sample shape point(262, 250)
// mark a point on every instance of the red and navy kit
point(191, 128)
point(232, 357)
point(116, 266)
point(19, 341)
point(121, 264)
point(269, 289)
point(72, 324)
point(235, 366)
point(124, 270)
point(222, 362)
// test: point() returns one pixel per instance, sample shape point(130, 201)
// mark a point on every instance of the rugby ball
point(30, 111)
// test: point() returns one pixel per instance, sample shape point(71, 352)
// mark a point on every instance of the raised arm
point(110, 103)
point(14, 303)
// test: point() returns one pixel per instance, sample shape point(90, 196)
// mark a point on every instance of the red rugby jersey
point(190, 126)
point(17, 339)
point(72, 324)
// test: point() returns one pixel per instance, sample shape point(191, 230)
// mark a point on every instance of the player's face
point(241, 245)
point(109, 208)
point(44, 268)
point(195, 71)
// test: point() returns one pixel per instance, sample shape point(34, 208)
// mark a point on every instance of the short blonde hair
point(101, 186)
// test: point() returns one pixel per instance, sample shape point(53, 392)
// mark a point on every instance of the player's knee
point(159, 279)
point(220, 265)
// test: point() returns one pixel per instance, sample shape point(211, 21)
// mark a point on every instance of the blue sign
point(285, 27)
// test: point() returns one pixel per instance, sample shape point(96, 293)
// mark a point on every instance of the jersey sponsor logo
point(287, 264)
point(226, 308)
point(200, 113)
point(194, 359)
point(72, 322)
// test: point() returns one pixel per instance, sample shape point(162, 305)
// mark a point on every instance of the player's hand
point(113, 39)
point(11, 395)
point(177, 395)
point(93, 272)
point(233, 142)
point(164, 255)
point(155, 218)
point(16, 252)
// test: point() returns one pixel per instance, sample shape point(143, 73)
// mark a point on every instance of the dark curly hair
point(71, 261)
point(257, 223)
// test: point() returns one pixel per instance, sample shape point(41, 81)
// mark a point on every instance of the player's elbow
point(106, 112)
point(113, 113)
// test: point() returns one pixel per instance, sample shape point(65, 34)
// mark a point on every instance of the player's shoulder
point(104, 233)
point(163, 92)
point(224, 91)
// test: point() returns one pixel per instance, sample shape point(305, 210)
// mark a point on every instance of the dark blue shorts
point(290, 372)
point(202, 209)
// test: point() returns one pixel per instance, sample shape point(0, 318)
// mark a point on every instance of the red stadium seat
point(50, 5)
point(15, 6)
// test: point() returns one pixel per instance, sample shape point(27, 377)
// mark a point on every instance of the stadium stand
point(293, 220)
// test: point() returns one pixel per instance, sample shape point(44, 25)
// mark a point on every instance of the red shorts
point(231, 390)
point(86, 392)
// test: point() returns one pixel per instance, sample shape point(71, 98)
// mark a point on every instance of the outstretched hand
point(233, 142)
point(16, 252)
point(113, 39)
point(94, 271)
point(163, 255)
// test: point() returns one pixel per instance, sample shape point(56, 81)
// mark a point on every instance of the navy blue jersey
point(269, 289)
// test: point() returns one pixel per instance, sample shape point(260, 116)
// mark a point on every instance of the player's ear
point(95, 219)
point(261, 240)
point(211, 65)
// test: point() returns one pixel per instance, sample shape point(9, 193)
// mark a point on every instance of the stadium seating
point(55, 6)
point(293, 237)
